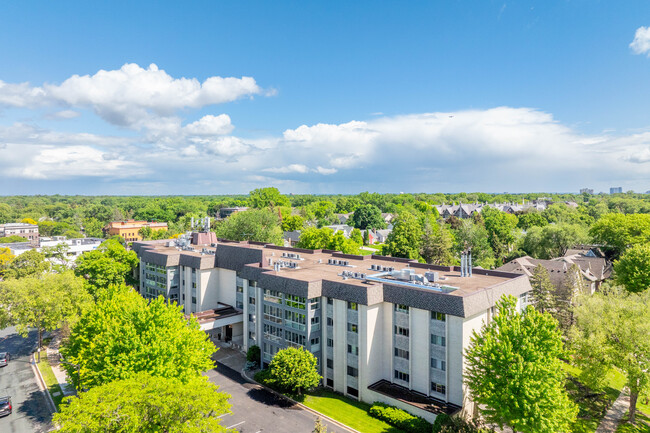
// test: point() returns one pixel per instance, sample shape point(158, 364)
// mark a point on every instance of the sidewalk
point(615, 413)
point(60, 374)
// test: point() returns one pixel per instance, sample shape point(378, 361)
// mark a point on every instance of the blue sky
point(341, 97)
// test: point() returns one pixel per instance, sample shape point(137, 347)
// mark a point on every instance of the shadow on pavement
point(15, 345)
point(35, 409)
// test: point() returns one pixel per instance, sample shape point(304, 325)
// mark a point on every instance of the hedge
point(399, 418)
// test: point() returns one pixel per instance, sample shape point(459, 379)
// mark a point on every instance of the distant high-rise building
point(616, 190)
point(586, 191)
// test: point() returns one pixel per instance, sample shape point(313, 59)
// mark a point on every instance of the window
point(399, 308)
point(295, 301)
point(353, 391)
point(240, 289)
point(330, 383)
point(353, 372)
point(314, 341)
point(330, 363)
point(330, 301)
point(251, 317)
point(295, 320)
point(401, 331)
point(294, 339)
point(438, 340)
point(436, 387)
point(238, 304)
point(438, 316)
point(353, 349)
point(193, 299)
point(401, 353)
point(330, 342)
point(314, 303)
point(251, 301)
point(272, 333)
point(315, 320)
point(193, 285)
point(353, 306)
point(400, 375)
point(330, 321)
point(273, 314)
point(438, 364)
point(251, 335)
point(353, 327)
point(273, 296)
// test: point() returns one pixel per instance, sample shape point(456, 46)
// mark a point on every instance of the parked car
point(4, 358)
point(5, 406)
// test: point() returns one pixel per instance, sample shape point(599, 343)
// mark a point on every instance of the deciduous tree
point(45, 302)
point(31, 263)
point(514, 371)
point(553, 240)
point(437, 243)
point(618, 231)
point(367, 216)
point(406, 237)
point(294, 370)
point(632, 270)
point(292, 223)
point(261, 225)
point(611, 330)
point(146, 403)
point(124, 334)
point(109, 264)
point(265, 197)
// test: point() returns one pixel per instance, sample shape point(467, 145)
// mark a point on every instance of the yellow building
point(129, 230)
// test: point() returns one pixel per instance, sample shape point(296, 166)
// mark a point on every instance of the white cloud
point(130, 94)
point(210, 125)
point(64, 114)
point(641, 42)
point(291, 168)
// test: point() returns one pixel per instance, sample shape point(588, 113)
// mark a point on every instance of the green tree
point(406, 237)
point(264, 197)
point(356, 237)
point(514, 371)
point(617, 231)
point(145, 403)
point(109, 264)
point(5, 259)
point(553, 240)
point(475, 237)
point(261, 225)
point(12, 239)
point(57, 254)
point(124, 334)
point(566, 294)
point(93, 228)
point(501, 230)
point(632, 270)
point(531, 219)
point(367, 216)
point(292, 223)
point(436, 246)
point(294, 370)
point(28, 264)
point(45, 302)
point(611, 331)
point(145, 233)
point(543, 292)
point(325, 238)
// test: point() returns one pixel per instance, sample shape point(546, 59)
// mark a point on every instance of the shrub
point(264, 377)
point(399, 418)
point(441, 421)
point(254, 354)
point(294, 370)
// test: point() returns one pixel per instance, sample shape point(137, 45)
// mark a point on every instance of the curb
point(302, 406)
point(42, 385)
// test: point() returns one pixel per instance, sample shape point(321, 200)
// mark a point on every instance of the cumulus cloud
point(130, 94)
point(498, 149)
point(64, 114)
point(641, 42)
point(210, 125)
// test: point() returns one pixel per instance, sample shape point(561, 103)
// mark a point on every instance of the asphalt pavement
point(256, 410)
point(30, 412)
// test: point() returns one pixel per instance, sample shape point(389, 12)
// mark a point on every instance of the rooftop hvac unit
point(432, 276)
point(362, 276)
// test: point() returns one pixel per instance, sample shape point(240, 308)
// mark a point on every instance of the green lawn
point(366, 252)
point(49, 378)
point(593, 404)
point(347, 411)
point(642, 425)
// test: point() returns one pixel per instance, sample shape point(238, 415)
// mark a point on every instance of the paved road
point(256, 410)
point(17, 379)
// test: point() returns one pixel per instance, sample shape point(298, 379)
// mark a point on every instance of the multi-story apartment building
point(75, 247)
point(24, 230)
point(382, 328)
point(130, 229)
